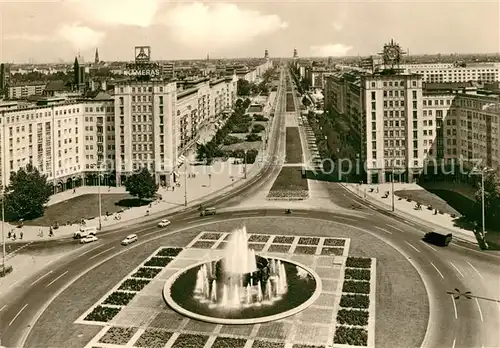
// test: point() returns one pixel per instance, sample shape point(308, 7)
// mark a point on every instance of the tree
point(306, 101)
point(141, 184)
point(243, 87)
point(27, 194)
point(491, 200)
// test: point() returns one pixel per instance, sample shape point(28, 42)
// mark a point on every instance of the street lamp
point(477, 171)
point(98, 166)
point(245, 166)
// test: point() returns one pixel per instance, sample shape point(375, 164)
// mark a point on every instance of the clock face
point(392, 53)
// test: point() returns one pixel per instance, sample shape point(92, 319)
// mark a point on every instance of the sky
point(53, 31)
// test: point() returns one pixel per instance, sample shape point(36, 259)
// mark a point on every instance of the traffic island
point(146, 321)
point(293, 146)
point(290, 185)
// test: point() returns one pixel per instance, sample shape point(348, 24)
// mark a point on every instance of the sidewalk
point(406, 209)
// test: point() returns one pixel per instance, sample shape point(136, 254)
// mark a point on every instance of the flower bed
point(119, 298)
point(356, 287)
point(278, 248)
point(118, 335)
point(290, 184)
point(358, 274)
point(352, 317)
point(190, 341)
point(227, 342)
point(355, 301)
point(332, 251)
point(203, 245)
point(158, 261)
point(211, 235)
point(102, 313)
point(221, 245)
point(358, 262)
point(306, 346)
point(152, 338)
point(172, 252)
point(351, 335)
point(305, 250)
point(134, 284)
point(309, 240)
point(283, 240)
point(256, 247)
point(334, 242)
point(255, 238)
point(146, 272)
point(266, 344)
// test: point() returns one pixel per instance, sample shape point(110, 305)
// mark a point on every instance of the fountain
point(241, 287)
point(235, 274)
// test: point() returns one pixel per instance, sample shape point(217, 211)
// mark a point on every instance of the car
point(85, 232)
point(131, 238)
point(208, 211)
point(88, 239)
point(437, 238)
point(164, 223)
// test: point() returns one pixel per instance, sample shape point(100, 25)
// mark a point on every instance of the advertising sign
point(143, 69)
point(142, 54)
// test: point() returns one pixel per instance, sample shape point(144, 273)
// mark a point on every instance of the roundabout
point(303, 240)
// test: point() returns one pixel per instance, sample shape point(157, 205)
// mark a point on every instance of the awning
point(180, 160)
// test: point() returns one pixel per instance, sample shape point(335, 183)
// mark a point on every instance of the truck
point(85, 232)
point(437, 238)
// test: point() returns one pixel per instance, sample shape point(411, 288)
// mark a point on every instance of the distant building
point(23, 90)
point(4, 77)
point(449, 72)
point(295, 53)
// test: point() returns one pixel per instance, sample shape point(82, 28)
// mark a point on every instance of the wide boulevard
point(460, 322)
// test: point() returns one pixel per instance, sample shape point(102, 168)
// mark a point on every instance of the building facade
point(144, 124)
point(25, 90)
point(447, 72)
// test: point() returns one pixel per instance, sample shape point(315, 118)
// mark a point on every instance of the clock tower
point(391, 55)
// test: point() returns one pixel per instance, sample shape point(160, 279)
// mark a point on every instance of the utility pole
point(185, 189)
point(392, 185)
point(245, 166)
point(98, 165)
point(3, 198)
point(483, 218)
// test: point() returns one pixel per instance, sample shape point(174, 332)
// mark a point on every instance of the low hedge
point(351, 335)
point(356, 287)
point(355, 301)
point(358, 262)
point(171, 252)
point(146, 272)
point(119, 298)
point(358, 274)
point(158, 261)
point(134, 284)
point(6, 270)
point(102, 313)
point(352, 317)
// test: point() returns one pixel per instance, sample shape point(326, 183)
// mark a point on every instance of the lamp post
point(245, 166)
point(185, 189)
point(392, 185)
point(98, 166)
point(3, 198)
point(477, 171)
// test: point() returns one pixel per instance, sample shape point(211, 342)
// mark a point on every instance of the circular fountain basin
point(304, 288)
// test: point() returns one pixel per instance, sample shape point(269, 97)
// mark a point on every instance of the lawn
point(289, 185)
point(426, 198)
point(290, 105)
point(81, 207)
point(293, 145)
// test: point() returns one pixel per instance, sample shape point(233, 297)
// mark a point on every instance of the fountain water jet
point(237, 280)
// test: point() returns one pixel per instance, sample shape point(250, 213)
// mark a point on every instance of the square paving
point(147, 322)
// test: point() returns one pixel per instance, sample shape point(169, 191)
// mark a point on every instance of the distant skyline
point(49, 31)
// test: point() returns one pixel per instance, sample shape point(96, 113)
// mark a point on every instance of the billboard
point(143, 68)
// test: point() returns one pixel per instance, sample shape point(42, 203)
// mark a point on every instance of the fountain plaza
point(233, 289)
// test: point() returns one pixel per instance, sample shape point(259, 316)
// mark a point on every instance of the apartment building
point(145, 123)
point(26, 89)
point(447, 72)
point(406, 127)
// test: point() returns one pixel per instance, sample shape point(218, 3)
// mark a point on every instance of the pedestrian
point(21, 234)
point(9, 235)
point(74, 190)
point(14, 236)
point(173, 188)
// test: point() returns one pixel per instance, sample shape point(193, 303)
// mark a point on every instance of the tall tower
point(295, 54)
point(266, 54)
point(96, 59)
point(76, 72)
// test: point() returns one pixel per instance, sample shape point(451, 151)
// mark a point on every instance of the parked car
point(131, 238)
point(85, 232)
point(437, 238)
point(88, 239)
point(164, 223)
point(208, 211)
